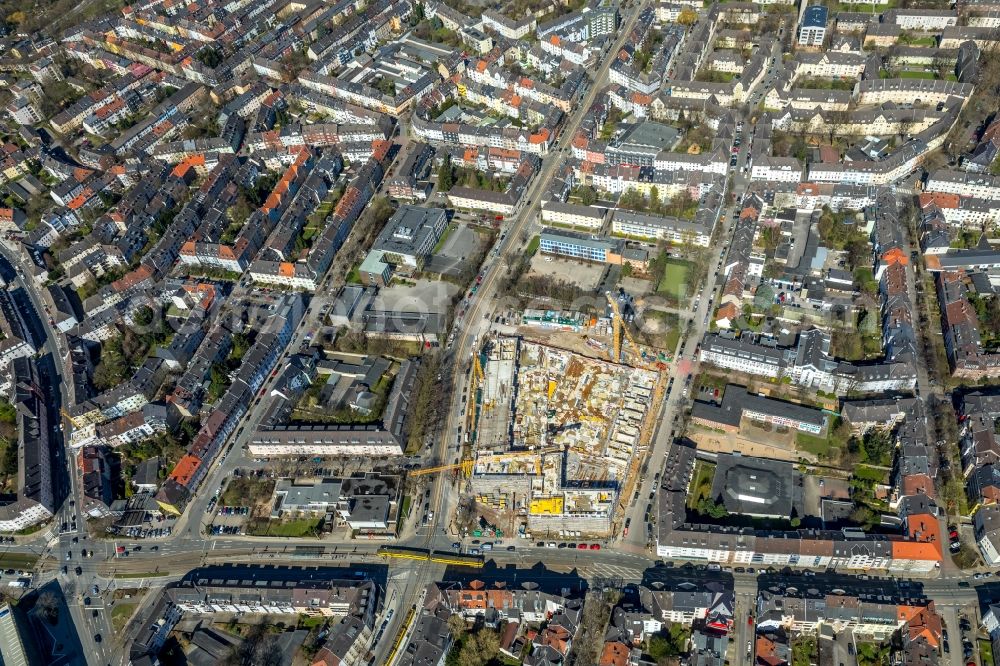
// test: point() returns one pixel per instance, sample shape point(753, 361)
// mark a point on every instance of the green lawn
point(715, 77)
point(701, 482)
point(985, 652)
point(675, 278)
point(282, 528)
point(866, 8)
point(908, 74)
point(306, 622)
point(18, 561)
point(444, 237)
point(818, 446)
point(821, 83)
point(354, 276)
point(671, 339)
point(919, 41)
point(143, 574)
point(405, 511)
point(120, 615)
point(532, 246)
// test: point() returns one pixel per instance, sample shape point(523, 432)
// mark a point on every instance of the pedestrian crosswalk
point(602, 570)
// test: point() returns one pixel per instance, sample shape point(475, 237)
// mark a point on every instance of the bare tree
point(47, 607)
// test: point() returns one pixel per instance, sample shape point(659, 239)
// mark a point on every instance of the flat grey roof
point(756, 486)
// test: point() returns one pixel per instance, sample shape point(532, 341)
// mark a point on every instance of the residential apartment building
point(654, 227)
point(573, 215)
point(812, 26)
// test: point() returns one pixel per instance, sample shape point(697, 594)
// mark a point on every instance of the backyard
point(701, 483)
point(805, 651)
point(818, 83)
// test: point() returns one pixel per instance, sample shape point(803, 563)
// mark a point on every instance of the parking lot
point(230, 520)
point(585, 275)
point(423, 296)
point(460, 246)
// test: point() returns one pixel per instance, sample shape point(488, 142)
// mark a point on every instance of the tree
point(769, 238)
point(668, 644)
point(143, 316)
point(687, 16)
point(456, 623)
point(480, 648)
point(7, 412)
point(764, 297)
point(210, 57)
point(218, 382)
point(588, 195)
point(864, 516)
point(858, 252)
point(593, 623)
point(445, 176)
point(712, 508)
point(654, 198)
point(112, 369)
point(877, 446)
point(47, 607)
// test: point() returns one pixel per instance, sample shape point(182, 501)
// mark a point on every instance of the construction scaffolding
point(558, 434)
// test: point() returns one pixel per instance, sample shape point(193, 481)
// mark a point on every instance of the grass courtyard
point(675, 279)
point(823, 447)
point(701, 483)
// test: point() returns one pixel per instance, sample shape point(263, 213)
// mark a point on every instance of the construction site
point(558, 437)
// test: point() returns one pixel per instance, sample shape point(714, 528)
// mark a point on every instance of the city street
point(328, 116)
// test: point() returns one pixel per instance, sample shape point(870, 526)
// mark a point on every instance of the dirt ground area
point(583, 274)
point(574, 342)
point(637, 287)
point(748, 442)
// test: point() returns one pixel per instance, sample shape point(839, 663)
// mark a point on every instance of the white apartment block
point(708, 548)
point(573, 215)
point(670, 229)
point(387, 446)
point(812, 35)
point(750, 359)
point(923, 19)
point(980, 186)
point(28, 513)
point(830, 65)
point(777, 169)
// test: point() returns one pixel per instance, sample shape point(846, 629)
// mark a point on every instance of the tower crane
point(618, 328)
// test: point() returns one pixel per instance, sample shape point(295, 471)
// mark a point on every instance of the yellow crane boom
point(618, 328)
point(465, 466)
